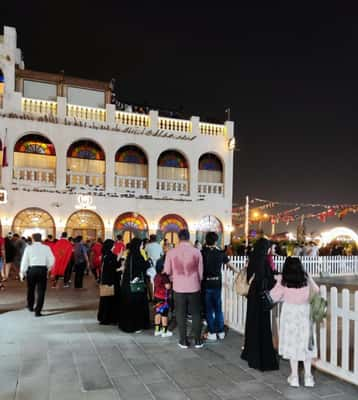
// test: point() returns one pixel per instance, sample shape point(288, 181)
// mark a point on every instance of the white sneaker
point(211, 337)
point(293, 381)
point(221, 335)
point(158, 333)
point(309, 381)
point(167, 334)
point(140, 331)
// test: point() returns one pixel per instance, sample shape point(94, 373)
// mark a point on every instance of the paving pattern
point(66, 355)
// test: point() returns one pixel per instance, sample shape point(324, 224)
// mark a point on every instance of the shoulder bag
point(241, 284)
point(105, 290)
point(136, 285)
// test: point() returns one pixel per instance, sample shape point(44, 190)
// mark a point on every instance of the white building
point(75, 163)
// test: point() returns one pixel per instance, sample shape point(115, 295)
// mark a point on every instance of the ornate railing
point(34, 176)
point(44, 107)
point(132, 119)
point(215, 189)
point(85, 179)
point(136, 184)
point(88, 113)
point(172, 187)
point(212, 129)
point(172, 124)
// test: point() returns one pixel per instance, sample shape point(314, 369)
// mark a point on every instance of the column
point(61, 166)
point(110, 170)
point(193, 177)
point(61, 108)
point(111, 115)
point(195, 125)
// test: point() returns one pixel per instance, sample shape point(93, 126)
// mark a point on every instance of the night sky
point(288, 71)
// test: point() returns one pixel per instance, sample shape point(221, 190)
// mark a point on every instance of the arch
point(34, 143)
point(337, 232)
point(131, 154)
point(34, 160)
point(210, 162)
point(172, 159)
point(86, 150)
point(169, 227)
point(209, 223)
point(86, 165)
point(33, 219)
point(130, 224)
point(85, 223)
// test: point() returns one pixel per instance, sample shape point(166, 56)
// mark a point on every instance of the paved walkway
point(66, 355)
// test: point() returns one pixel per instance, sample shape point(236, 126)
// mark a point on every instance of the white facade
point(56, 191)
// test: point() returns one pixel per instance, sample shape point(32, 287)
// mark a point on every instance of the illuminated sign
point(85, 202)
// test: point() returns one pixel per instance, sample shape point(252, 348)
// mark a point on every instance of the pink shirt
point(184, 265)
point(292, 295)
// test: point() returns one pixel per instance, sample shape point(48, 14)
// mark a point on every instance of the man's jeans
point(214, 314)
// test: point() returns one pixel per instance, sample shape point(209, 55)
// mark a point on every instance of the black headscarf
point(107, 246)
point(257, 259)
point(134, 246)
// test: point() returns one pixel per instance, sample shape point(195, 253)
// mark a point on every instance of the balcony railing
point(172, 124)
point(34, 176)
point(88, 180)
point(132, 119)
point(35, 106)
point(211, 189)
point(88, 113)
point(172, 187)
point(135, 184)
point(212, 129)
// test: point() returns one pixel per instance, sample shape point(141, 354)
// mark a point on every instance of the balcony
point(212, 129)
point(132, 119)
point(25, 176)
point(177, 125)
point(40, 107)
point(85, 180)
point(135, 184)
point(86, 113)
point(168, 187)
point(211, 189)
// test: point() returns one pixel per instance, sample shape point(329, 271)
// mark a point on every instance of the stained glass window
point(131, 155)
point(35, 144)
point(172, 159)
point(172, 223)
point(210, 162)
point(130, 222)
point(86, 149)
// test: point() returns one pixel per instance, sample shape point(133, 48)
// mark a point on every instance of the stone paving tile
point(68, 356)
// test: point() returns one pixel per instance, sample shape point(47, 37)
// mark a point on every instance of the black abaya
point(134, 307)
point(258, 350)
point(108, 310)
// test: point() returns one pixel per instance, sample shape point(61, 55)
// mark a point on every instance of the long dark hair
point(293, 274)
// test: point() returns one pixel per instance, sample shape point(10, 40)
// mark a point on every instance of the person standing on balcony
point(258, 349)
point(184, 265)
point(35, 263)
point(81, 261)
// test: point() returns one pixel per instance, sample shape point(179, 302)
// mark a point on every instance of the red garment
point(118, 248)
point(50, 244)
point(2, 245)
point(160, 281)
point(97, 255)
point(62, 251)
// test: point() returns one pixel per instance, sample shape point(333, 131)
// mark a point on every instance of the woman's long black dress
point(108, 310)
point(134, 309)
point(258, 350)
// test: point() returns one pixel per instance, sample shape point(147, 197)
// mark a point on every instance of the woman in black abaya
point(108, 310)
point(134, 310)
point(258, 350)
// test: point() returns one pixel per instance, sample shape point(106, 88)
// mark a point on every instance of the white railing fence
point(34, 176)
point(85, 179)
point(172, 187)
point(335, 265)
point(137, 184)
point(337, 336)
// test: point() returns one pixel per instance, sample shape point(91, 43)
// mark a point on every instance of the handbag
point(136, 285)
point(266, 299)
point(106, 290)
point(241, 284)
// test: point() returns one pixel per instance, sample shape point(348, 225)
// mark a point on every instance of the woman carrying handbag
point(134, 307)
point(109, 288)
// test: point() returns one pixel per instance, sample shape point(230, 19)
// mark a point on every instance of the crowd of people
point(148, 284)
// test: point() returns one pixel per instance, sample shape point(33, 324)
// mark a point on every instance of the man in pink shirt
point(184, 265)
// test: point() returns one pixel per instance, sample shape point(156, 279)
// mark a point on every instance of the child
point(293, 289)
point(161, 305)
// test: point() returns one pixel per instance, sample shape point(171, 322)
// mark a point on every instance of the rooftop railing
point(112, 118)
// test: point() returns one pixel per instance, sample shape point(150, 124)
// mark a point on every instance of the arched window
point(211, 179)
point(173, 173)
point(130, 225)
point(85, 223)
point(209, 223)
point(34, 220)
point(169, 227)
point(34, 161)
point(85, 165)
point(131, 169)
